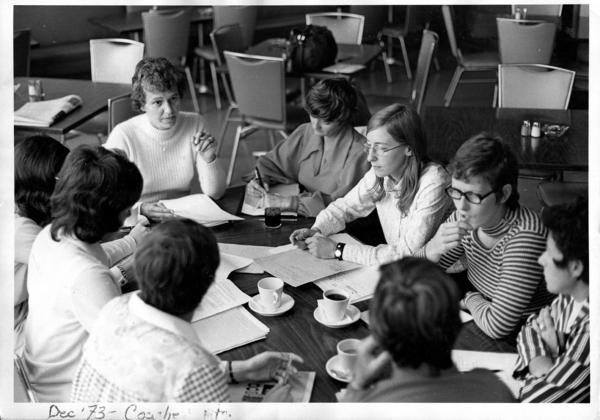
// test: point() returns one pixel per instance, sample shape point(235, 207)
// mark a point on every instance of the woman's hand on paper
point(140, 230)
point(256, 195)
point(299, 236)
point(321, 246)
point(156, 211)
point(371, 364)
point(267, 366)
point(447, 237)
point(204, 145)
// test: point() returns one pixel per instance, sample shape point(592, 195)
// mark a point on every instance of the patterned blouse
point(569, 378)
point(139, 353)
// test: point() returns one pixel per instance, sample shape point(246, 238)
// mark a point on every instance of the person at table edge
point(324, 156)
point(498, 239)
point(168, 145)
point(405, 187)
point(554, 345)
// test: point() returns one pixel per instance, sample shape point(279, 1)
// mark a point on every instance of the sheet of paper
point(248, 251)
point(502, 364)
point(359, 284)
point(465, 316)
point(221, 296)
point(230, 329)
point(364, 315)
point(230, 263)
point(201, 208)
point(250, 206)
point(301, 388)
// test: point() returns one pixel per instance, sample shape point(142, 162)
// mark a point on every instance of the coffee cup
point(270, 290)
point(347, 351)
point(334, 304)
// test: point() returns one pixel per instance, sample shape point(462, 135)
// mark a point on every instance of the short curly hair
point(155, 74)
point(175, 265)
point(415, 313)
point(38, 160)
point(335, 100)
point(95, 185)
point(488, 156)
point(568, 226)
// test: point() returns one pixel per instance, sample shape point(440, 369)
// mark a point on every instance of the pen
point(260, 181)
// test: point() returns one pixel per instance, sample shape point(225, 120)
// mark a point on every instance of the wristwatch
point(339, 250)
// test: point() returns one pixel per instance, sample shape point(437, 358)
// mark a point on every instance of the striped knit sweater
point(166, 158)
point(569, 378)
point(508, 279)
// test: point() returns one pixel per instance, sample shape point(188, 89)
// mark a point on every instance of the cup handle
point(276, 298)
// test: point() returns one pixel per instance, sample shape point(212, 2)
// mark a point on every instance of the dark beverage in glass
point(273, 217)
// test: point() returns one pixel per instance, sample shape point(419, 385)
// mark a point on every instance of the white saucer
point(287, 302)
point(331, 368)
point(352, 315)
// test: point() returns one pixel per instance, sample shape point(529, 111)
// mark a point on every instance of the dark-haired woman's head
point(485, 170)
point(175, 265)
point(335, 104)
point(157, 89)
point(95, 190)
point(415, 313)
point(37, 162)
point(397, 148)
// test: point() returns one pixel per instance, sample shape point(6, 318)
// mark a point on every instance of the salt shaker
point(535, 130)
point(526, 129)
point(35, 90)
point(518, 13)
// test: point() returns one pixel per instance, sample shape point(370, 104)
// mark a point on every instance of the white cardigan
point(69, 281)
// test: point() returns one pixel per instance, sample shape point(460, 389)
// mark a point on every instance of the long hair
point(37, 161)
point(95, 185)
point(404, 125)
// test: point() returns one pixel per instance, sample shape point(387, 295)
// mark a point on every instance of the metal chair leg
point(221, 137)
point(453, 84)
point(215, 78)
point(190, 81)
point(386, 66)
point(405, 55)
point(236, 143)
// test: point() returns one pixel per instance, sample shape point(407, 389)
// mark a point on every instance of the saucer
point(351, 316)
point(286, 304)
point(331, 368)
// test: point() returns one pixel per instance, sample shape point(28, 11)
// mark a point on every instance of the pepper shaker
point(526, 129)
point(535, 130)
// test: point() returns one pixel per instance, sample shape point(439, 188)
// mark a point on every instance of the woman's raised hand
point(448, 236)
point(205, 145)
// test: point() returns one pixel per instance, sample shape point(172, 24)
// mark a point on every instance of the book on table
point(46, 113)
point(251, 206)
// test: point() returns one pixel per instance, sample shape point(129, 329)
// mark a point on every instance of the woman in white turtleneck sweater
point(168, 146)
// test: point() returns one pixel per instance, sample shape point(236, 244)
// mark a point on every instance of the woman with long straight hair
point(403, 184)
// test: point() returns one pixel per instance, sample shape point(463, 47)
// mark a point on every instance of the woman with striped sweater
point(498, 240)
point(554, 345)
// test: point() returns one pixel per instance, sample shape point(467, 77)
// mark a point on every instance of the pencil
point(260, 181)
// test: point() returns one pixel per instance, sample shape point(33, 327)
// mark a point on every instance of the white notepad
point(222, 296)
point(230, 329)
point(200, 208)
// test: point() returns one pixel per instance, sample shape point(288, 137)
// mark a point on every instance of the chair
point(119, 110)
point(23, 392)
point(481, 61)
point(347, 28)
point(245, 17)
point(113, 60)
point(552, 193)
point(21, 52)
point(539, 9)
point(399, 31)
point(166, 33)
point(523, 42)
point(534, 86)
point(429, 43)
point(230, 38)
point(258, 85)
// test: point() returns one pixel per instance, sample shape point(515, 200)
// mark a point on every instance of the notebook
point(46, 113)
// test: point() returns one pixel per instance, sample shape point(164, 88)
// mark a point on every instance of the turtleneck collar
point(503, 224)
point(162, 135)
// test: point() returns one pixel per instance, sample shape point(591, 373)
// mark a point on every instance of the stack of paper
point(502, 364)
point(251, 206)
point(200, 208)
point(359, 284)
point(301, 385)
point(46, 113)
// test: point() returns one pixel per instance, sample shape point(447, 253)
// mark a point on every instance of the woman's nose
point(371, 156)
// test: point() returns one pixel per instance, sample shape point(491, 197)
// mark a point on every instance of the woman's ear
point(408, 152)
point(575, 268)
point(506, 192)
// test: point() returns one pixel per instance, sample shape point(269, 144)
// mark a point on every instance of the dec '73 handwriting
point(100, 412)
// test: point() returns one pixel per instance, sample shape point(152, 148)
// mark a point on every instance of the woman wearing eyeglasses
point(499, 239)
point(405, 187)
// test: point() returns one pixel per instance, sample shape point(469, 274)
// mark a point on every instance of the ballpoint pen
point(257, 174)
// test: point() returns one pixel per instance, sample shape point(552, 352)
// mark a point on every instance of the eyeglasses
point(378, 149)
point(471, 197)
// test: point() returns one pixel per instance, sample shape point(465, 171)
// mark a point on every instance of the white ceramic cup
point(270, 290)
point(347, 351)
point(334, 304)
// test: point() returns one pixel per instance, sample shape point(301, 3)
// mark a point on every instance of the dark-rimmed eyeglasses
point(471, 197)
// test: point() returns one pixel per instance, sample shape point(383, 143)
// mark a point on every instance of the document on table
point(230, 263)
point(200, 208)
point(228, 330)
point(247, 251)
point(503, 365)
point(301, 386)
point(250, 206)
point(359, 284)
point(364, 315)
point(297, 267)
point(221, 296)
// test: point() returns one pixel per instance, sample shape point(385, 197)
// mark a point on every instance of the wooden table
point(448, 128)
point(95, 97)
point(297, 330)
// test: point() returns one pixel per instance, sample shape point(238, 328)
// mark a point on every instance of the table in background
point(94, 95)
point(297, 330)
point(448, 128)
